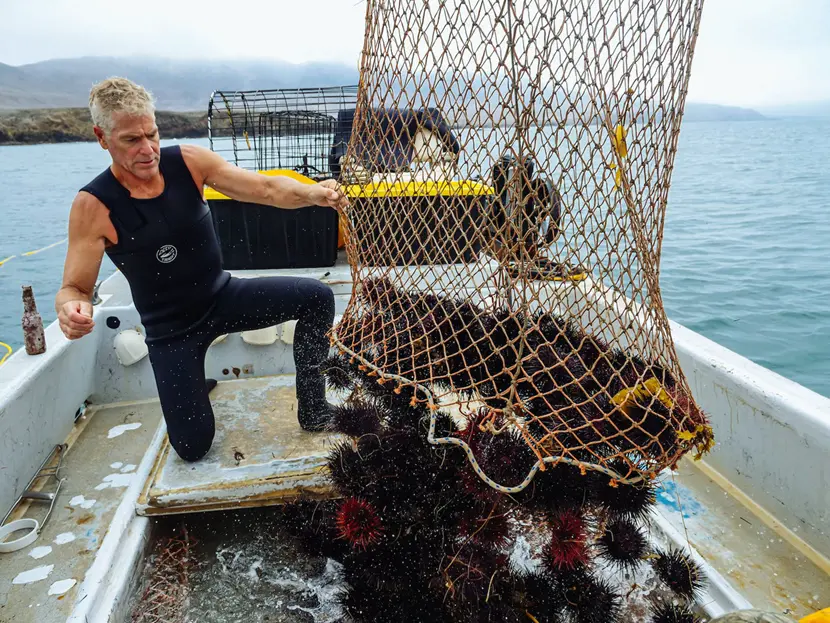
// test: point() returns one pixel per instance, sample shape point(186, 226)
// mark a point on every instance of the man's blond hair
point(118, 95)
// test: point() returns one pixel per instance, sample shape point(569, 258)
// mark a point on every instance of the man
point(147, 212)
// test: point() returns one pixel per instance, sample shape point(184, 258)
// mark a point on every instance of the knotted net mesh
point(508, 170)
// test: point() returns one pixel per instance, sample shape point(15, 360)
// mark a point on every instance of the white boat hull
point(773, 440)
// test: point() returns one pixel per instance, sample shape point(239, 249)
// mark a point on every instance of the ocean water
point(746, 250)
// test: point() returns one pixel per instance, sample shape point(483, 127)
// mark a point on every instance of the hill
point(177, 85)
point(48, 98)
point(186, 85)
point(806, 109)
point(65, 125)
point(714, 112)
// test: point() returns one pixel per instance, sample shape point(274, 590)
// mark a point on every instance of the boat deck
point(260, 456)
point(761, 559)
point(119, 464)
point(105, 448)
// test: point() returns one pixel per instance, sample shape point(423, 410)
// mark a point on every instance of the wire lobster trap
point(566, 115)
point(303, 130)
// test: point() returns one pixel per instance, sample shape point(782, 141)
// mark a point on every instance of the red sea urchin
point(358, 523)
point(567, 548)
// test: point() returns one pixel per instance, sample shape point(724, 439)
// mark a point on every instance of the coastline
point(38, 126)
point(74, 125)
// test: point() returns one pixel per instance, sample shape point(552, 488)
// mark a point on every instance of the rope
point(8, 354)
point(431, 438)
point(35, 252)
point(54, 244)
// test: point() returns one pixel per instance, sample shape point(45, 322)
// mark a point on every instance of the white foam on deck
point(62, 586)
point(81, 501)
point(39, 552)
point(117, 431)
point(114, 481)
point(33, 575)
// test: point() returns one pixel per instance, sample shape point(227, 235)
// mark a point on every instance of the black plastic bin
point(254, 236)
point(417, 223)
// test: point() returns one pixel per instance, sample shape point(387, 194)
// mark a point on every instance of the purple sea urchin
point(625, 501)
point(336, 371)
point(346, 468)
point(355, 419)
point(679, 572)
point(590, 599)
point(623, 544)
point(673, 613)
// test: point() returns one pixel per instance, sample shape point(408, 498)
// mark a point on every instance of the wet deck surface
point(99, 466)
point(259, 456)
point(771, 573)
point(242, 567)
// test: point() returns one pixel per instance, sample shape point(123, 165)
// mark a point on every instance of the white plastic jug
point(261, 337)
point(130, 347)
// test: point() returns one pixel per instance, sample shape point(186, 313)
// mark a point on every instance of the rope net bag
point(508, 169)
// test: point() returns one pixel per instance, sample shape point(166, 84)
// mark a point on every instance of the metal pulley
point(526, 210)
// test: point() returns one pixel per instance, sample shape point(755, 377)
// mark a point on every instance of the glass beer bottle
point(33, 336)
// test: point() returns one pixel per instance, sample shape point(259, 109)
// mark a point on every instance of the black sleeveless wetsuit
point(169, 253)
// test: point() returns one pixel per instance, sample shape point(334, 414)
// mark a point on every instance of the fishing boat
point(86, 468)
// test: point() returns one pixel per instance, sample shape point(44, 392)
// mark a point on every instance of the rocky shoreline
point(70, 125)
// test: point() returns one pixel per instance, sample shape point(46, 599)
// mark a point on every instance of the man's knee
point(317, 294)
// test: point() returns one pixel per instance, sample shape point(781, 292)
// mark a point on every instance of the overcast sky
point(750, 52)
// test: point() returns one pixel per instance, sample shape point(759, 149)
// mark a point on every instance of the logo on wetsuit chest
point(167, 254)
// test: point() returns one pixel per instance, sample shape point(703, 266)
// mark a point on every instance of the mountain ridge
point(177, 85)
point(186, 85)
point(45, 101)
point(813, 109)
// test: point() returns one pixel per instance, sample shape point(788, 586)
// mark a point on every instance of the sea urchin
point(337, 373)
point(623, 544)
point(679, 572)
point(358, 523)
point(355, 420)
point(590, 599)
point(672, 613)
point(626, 501)
point(567, 548)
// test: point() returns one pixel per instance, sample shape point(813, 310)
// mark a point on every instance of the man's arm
point(88, 227)
point(250, 187)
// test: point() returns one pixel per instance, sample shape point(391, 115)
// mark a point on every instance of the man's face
point(133, 144)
